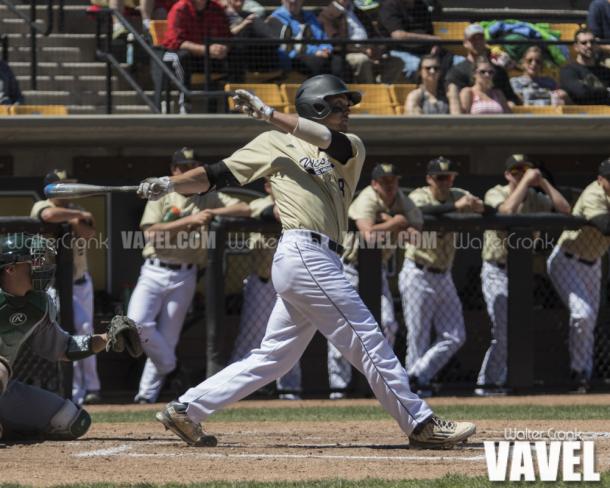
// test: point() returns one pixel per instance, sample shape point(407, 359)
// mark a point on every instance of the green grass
point(451, 481)
point(373, 412)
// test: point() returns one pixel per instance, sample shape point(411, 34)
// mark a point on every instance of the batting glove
point(251, 105)
point(155, 188)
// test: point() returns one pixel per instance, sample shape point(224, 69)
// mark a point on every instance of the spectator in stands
point(585, 81)
point(462, 73)
point(410, 20)
point(429, 97)
point(342, 19)
point(247, 24)
point(533, 88)
point(10, 93)
point(188, 23)
point(598, 21)
point(482, 98)
point(290, 21)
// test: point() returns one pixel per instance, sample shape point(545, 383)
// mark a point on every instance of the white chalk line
point(123, 449)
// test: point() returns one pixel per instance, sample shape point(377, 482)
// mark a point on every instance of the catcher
point(27, 267)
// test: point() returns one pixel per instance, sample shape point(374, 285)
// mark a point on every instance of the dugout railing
point(30, 368)
point(538, 335)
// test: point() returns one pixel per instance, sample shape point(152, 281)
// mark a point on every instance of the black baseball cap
point(58, 176)
point(384, 169)
point(186, 155)
point(517, 160)
point(441, 166)
point(604, 168)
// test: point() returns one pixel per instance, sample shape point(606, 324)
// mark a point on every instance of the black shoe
point(92, 398)
point(490, 391)
point(579, 382)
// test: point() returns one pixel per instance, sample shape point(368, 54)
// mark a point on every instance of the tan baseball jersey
point(368, 205)
point(312, 190)
point(261, 255)
point(79, 246)
point(442, 249)
point(186, 246)
point(494, 247)
point(588, 242)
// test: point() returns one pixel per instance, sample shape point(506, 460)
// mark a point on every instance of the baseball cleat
point(174, 418)
point(438, 433)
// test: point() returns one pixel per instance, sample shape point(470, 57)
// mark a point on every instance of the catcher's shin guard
point(69, 423)
point(174, 418)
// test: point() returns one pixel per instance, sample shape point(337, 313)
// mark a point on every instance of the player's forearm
point(98, 343)
point(56, 215)
point(240, 209)
point(165, 227)
point(192, 181)
point(511, 204)
point(560, 204)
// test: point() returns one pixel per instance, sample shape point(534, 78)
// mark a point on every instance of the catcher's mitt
point(123, 335)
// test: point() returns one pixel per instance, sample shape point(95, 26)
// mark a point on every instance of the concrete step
point(64, 97)
point(101, 109)
point(53, 68)
point(48, 54)
point(71, 83)
point(82, 41)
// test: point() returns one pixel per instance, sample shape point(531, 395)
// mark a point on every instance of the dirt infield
point(266, 451)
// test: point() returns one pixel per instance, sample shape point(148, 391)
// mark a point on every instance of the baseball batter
point(85, 380)
point(517, 197)
point(429, 298)
point(314, 166)
point(176, 246)
point(574, 267)
point(259, 299)
point(379, 208)
point(27, 314)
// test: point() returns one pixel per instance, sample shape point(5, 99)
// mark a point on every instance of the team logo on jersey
point(316, 167)
point(18, 319)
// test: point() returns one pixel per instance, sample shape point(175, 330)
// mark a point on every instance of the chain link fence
point(536, 322)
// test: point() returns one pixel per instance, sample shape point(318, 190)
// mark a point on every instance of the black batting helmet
point(310, 99)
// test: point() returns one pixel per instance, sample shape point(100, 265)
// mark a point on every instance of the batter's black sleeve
point(219, 175)
point(340, 148)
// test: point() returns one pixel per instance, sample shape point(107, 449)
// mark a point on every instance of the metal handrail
point(34, 29)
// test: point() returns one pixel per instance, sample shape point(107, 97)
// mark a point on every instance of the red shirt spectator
point(186, 23)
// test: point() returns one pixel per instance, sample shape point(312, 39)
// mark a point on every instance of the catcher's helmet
point(35, 249)
point(310, 99)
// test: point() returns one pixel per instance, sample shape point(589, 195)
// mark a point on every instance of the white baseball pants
point(313, 295)
point(159, 304)
point(339, 369)
point(494, 281)
point(85, 377)
point(578, 284)
point(430, 302)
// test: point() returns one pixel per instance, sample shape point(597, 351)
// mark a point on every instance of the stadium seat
point(289, 91)
point(567, 32)
point(39, 110)
point(5, 110)
point(268, 92)
point(537, 110)
point(157, 31)
point(376, 99)
point(585, 110)
point(399, 93)
point(451, 31)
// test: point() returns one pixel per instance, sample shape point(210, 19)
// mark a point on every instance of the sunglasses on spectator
point(442, 177)
point(517, 170)
point(587, 42)
point(534, 60)
point(432, 69)
point(486, 72)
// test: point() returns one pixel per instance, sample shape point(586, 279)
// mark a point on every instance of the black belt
point(81, 281)
point(569, 255)
point(497, 264)
point(171, 266)
point(332, 245)
point(431, 270)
